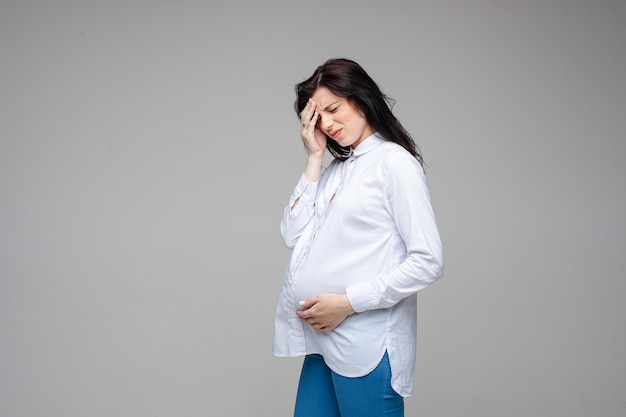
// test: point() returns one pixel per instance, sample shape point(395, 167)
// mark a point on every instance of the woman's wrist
point(347, 306)
point(313, 168)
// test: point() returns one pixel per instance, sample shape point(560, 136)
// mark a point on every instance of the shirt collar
point(367, 145)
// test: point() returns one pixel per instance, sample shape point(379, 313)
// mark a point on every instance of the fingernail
point(301, 303)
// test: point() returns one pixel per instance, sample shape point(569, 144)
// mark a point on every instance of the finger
point(314, 114)
point(309, 302)
point(305, 314)
point(309, 127)
point(316, 325)
point(313, 323)
point(307, 112)
point(314, 120)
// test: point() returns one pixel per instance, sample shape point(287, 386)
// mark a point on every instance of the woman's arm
point(409, 202)
point(301, 205)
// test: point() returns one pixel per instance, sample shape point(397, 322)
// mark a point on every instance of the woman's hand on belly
point(325, 312)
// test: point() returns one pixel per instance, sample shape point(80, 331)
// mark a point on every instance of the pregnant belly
point(310, 284)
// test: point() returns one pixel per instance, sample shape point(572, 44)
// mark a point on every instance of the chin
point(344, 143)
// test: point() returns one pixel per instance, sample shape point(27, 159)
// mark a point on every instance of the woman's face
point(340, 119)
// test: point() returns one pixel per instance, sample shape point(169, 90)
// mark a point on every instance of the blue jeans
point(324, 393)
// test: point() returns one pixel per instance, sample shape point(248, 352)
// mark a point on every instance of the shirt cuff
point(362, 297)
point(305, 191)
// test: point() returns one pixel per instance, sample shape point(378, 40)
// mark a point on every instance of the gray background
point(148, 148)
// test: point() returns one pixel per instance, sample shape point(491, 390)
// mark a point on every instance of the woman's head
point(347, 79)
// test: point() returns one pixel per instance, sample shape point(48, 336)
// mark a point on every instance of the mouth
point(335, 134)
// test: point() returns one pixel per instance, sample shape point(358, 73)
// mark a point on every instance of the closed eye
point(332, 107)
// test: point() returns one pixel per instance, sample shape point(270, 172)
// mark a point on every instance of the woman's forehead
point(324, 97)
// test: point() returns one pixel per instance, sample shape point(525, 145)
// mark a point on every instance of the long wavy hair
point(346, 78)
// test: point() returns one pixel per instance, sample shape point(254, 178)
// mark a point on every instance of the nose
point(326, 123)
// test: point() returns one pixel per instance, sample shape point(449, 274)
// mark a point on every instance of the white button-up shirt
point(365, 229)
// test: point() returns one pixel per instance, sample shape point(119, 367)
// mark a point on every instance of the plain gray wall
point(147, 149)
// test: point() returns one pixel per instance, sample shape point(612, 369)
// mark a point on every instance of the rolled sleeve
point(294, 221)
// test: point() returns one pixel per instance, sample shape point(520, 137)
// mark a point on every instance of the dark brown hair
point(346, 78)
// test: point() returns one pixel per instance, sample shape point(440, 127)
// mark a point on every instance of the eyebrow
point(331, 105)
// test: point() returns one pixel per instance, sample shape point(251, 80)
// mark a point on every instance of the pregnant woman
point(364, 241)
